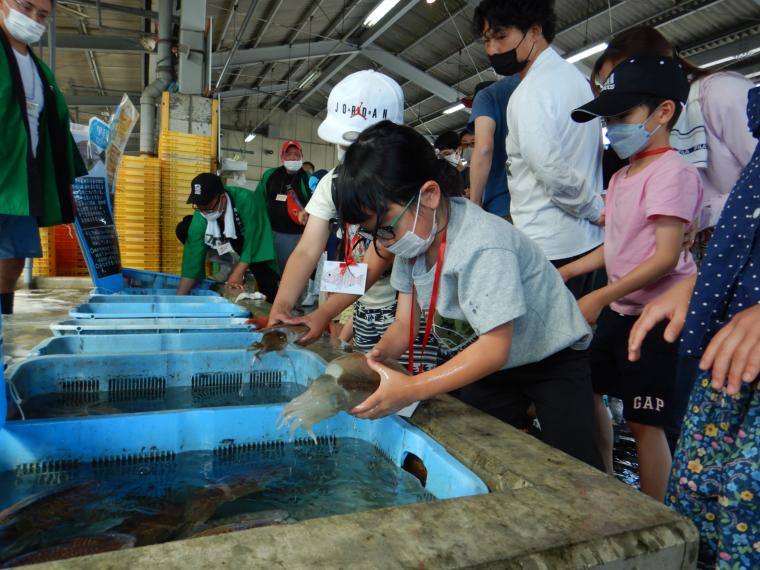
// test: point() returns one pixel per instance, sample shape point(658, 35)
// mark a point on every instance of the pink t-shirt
point(669, 186)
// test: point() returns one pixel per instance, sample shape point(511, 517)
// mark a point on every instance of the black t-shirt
point(277, 188)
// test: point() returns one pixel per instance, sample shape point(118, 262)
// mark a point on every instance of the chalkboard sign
point(96, 228)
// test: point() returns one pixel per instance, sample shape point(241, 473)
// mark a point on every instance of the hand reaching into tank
point(396, 391)
point(279, 314)
point(236, 280)
point(672, 305)
point(317, 322)
point(378, 355)
point(734, 353)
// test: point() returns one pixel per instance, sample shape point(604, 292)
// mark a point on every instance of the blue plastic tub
point(160, 299)
point(49, 448)
point(137, 278)
point(78, 377)
point(89, 344)
point(154, 325)
point(151, 310)
point(165, 291)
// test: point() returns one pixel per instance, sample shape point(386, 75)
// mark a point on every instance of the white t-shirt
point(555, 164)
point(35, 97)
point(321, 205)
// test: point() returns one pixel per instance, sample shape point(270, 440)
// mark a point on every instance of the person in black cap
point(229, 220)
point(649, 205)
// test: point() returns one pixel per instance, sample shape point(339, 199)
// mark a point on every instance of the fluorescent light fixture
point(752, 75)
point(430, 1)
point(309, 79)
point(588, 52)
point(249, 137)
point(379, 12)
point(454, 109)
point(743, 55)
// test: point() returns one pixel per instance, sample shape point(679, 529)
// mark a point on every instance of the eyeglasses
point(386, 233)
point(203, 210)
point(29, 9)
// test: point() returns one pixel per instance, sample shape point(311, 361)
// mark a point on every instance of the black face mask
point(506, 63)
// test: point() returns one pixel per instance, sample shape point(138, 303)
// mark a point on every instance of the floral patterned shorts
point(716, 478)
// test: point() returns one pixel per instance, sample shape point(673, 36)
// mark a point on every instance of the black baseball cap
point(204, 188)
point(632, 82)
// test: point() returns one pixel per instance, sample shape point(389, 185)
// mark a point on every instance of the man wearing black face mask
point(555, 178)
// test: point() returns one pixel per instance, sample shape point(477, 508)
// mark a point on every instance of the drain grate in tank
point(267, 377)
point(154, 456)
point(53, 479)
point(121, 388)
point(46, 467)
point(213, 382)
point(79, 390)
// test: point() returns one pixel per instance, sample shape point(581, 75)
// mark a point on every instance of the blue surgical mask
point(628, 139)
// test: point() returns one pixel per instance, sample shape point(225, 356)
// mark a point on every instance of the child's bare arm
point(669, 238)
point(586, 264)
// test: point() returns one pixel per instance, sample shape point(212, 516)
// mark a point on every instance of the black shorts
point(648, 388)
point(560, 388)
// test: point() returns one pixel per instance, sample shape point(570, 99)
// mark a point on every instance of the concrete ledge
point(58, 283)
point(546, 511)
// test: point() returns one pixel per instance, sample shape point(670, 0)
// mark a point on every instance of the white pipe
point(164, 76)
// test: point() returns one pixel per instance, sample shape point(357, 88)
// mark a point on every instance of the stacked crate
point(69, 261)
point(137, 212)
point(45, 266)
point(182, 157)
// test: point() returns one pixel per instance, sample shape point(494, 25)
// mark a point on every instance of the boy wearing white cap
point(357, 102)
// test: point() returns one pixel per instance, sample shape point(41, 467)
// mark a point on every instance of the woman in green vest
point(38, 161)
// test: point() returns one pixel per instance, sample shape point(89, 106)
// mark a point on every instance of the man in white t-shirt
point(555, 169)
point(356, 103)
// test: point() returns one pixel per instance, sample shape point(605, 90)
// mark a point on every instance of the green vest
point(258, 243)
point(32, 186)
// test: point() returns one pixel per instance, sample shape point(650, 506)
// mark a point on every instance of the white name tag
point(281, 197)
point(224, 248)
point(32, 109)
point(339, 278)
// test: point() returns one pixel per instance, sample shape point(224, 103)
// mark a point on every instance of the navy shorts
point(19, 237)
point(649, 387)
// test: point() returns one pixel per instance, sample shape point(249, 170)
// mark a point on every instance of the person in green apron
point(38, 160)
point(229, 219)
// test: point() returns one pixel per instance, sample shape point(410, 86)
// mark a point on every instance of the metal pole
point(210, 50)
point(51, 39)
point(238, 39)
point(28, 272)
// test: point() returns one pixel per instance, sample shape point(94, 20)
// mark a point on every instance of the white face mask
point(411, 245)
point(453, 159)
point(467, 155)
point(341, 152)
point(22, 27)
point(292, 165)
point(211, 216)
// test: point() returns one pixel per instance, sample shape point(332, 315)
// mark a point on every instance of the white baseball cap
point(359, 101)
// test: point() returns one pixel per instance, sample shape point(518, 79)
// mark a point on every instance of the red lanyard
point(349, 250)
point(652, 152)
point(431, 310)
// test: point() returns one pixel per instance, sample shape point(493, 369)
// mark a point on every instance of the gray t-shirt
point(494, 274)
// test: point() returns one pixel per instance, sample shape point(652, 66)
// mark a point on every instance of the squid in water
point(347, 382)
point(277, 338)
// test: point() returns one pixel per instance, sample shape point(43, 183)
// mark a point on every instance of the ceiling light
point(753, 74)
point(588, 52)
point(734, 57)
point(309, 79)
point(250, 136)
point(454, 109)
point(430, 1)
point(379, 12)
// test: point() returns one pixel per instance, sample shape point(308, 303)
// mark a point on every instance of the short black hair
point(310, 164)
point(388, 164)
point(480, 86)
point(463, 133)
point(653, 102)
point(522, 14)
point(447, 140)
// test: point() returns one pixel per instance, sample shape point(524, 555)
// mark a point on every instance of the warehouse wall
point(264, 152)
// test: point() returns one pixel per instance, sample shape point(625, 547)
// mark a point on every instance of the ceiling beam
point(93, 100)
point(116, 8)
point(259, 90)
point(731, 46)
point(96, 43)
point(292, 52)
point(401, 67)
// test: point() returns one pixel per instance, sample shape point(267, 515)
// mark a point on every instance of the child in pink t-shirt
point(649, 206)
